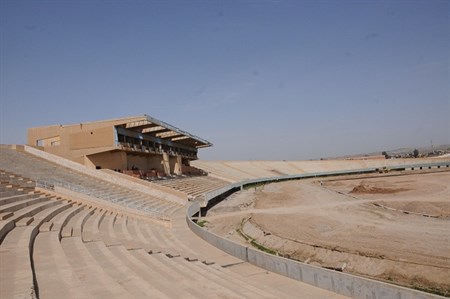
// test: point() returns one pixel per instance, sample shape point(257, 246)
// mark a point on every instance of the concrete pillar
point(177, 169)
point(166, 163)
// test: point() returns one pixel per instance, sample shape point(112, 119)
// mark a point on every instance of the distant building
point(374, 157)
point(139, 143)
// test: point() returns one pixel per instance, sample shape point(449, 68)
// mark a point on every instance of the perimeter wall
point(342, 283)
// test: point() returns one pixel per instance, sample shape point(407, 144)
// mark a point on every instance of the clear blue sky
point(259, 79)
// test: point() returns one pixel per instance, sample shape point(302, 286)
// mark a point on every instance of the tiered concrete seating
point(36, 169)
point(18, 231)
point(135, 257)
point(194, 187)
point(22, 211)
point(12, 179)
point(251, 168)
point(235, 171)
point(52, 246)
point(244, 170)
point(58, 248)
point(276, 168)
point(219, 169)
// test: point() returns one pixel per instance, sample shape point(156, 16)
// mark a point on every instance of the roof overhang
point(156, 128)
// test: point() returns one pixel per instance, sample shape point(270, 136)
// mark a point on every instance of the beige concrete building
point(133, 143)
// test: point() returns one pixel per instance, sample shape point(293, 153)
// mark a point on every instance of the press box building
point(141, 142)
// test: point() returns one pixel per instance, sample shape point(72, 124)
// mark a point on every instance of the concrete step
point(227, 281)
point(27, 211)
point(46, 227)
point(208, 252)
point(116, 234)
point(24, 221)
point(91, 231)
point(17, 198)
point(133, 228)
point(49, 212)
point(260, 291)
point(107, 232)
point(54, 274)
point(16, 273)
point(63, 218)
point(167, 242)
point(119, 271)
point(75, 224)
point(6, 215)
point(192, 284)
point(92, 277)
point(129, 240)
point(158, 280)
point(157, 243)
point(189, 271)
point(14, 192)
point(17, 205)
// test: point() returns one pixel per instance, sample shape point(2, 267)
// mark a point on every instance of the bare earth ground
point(393, 228)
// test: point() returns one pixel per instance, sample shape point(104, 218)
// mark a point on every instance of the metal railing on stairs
point(50, 184)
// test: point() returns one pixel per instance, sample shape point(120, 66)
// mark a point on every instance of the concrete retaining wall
point(192, 209)
point(223, 244)
point(341, 283)
point(338, 282)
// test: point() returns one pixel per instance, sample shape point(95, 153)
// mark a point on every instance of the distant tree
point(416, 153)
point(385, 155)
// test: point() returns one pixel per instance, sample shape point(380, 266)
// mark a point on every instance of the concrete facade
point(134, 143)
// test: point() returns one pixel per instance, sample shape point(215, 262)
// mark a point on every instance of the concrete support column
point(178, 169)
point(166, 163)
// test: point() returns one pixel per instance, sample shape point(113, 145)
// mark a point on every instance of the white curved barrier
point(338, 282)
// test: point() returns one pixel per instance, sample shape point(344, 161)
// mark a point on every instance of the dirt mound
point(371, 188)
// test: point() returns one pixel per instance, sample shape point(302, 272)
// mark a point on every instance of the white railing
point(50, 184)
point(45, 185)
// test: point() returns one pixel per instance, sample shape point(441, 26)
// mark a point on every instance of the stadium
point(123, 208)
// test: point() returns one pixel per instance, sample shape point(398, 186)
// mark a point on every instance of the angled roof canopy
point(145, 125)
point(159, 129)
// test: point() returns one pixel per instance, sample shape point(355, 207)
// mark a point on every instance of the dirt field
point(393, 228)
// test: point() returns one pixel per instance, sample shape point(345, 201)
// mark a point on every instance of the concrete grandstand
point(71, 226)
